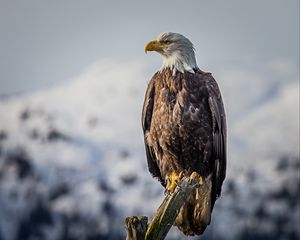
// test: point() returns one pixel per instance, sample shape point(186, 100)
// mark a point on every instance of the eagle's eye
point(166, 41)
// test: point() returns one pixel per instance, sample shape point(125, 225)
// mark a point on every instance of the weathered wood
point(164, 217)
point(136, 227)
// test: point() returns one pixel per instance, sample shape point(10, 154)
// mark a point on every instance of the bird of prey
point(184, 127)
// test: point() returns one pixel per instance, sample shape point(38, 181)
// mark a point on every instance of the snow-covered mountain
point(72, 162)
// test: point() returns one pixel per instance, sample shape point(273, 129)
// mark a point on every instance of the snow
point(77, 150)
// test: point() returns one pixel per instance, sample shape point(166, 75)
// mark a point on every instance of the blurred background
point(72, 80)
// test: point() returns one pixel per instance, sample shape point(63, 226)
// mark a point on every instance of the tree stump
point(157, 229)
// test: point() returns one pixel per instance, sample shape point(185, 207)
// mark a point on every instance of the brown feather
point(185, 130)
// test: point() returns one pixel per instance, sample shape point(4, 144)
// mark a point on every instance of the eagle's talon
point(181, 175)
point(173, 181)
point(196, 178)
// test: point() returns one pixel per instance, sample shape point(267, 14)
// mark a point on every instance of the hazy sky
point(45, 42)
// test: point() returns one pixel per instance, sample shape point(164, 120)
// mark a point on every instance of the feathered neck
point(180, 60)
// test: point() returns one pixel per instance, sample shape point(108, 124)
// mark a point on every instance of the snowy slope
point(72, 161)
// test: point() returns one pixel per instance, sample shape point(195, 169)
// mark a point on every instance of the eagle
point(184, 126)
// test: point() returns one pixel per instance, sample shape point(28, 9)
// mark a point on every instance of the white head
point(176, 50)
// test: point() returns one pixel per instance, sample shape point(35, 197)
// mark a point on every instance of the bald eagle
point(184, 127)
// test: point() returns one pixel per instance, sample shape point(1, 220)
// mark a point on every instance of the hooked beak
point(153, 46)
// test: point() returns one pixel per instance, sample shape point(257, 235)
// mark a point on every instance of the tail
point(195, 214)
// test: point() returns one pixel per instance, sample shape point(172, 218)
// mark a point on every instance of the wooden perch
point(157, 229)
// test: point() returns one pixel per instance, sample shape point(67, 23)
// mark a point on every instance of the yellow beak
point(153, 46)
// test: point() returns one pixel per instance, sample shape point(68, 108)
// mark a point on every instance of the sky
point(44, 43)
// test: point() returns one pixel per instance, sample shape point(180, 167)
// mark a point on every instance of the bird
point(184, 127)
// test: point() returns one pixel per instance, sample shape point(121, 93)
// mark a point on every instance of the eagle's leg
point(195, 177)
point(173, 181)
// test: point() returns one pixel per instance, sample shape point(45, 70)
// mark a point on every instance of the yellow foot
point(172, 181)
point(196, 178)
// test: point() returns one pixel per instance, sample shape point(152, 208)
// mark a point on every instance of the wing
point(219, 136)
point(146, 123)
